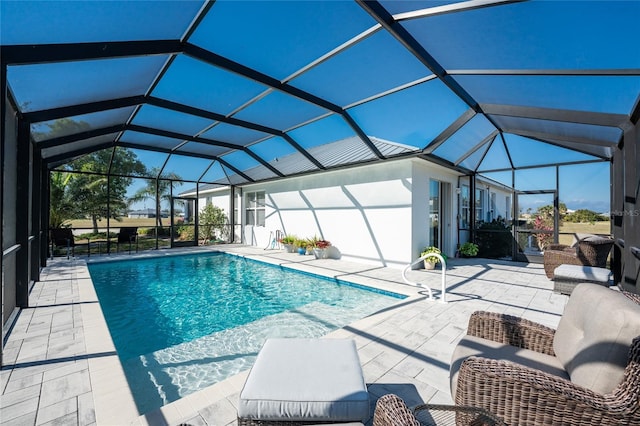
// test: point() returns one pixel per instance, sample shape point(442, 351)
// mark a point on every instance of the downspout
point(158, 214)
point(232, 215)
point(556, 208)
point(458, 192)
point(472, 208)
point(196, 214)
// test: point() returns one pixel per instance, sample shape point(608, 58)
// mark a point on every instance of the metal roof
point(245, 91)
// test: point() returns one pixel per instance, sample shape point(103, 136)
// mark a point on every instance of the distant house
point(142, 214)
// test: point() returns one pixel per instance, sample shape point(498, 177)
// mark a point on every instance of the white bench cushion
point(302, 379)
point(577, 273)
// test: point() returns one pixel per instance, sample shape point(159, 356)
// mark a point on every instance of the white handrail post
point(443, 298)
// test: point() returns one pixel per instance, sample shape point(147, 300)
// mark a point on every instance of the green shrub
point(96, 236)
point(212, 223)
point(185, 233)
point(433, 249)
point(289, 239)
point(151, 232)
point(494, 239)
point(143, 232)
point(585, 215)
point(469, 249)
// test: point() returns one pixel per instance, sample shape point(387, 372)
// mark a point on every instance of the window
point(434, 213)
point(464, 207)
point(236, 208)
point(507, 214)
point(255, 209)
point(479, 205)
point(492, 213)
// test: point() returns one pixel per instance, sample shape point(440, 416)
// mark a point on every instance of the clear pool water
point(181, 323)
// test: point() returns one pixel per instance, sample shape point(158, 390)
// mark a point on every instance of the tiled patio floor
point(60, 366)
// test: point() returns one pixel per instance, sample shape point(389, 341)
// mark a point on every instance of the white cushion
point(577, 273)
point(303, 379)
point(594, 335)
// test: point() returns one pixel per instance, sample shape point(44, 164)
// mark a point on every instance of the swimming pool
point(181, 323)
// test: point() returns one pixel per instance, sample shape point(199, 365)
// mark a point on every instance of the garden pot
point(320, 253)
point(289, 248)
point(429, 265)
point(302, 250)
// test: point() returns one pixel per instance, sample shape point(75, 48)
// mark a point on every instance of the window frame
point(479, 205)
point(254, 205)
point(465, 206)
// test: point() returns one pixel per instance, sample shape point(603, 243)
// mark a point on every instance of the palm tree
point(61, 208)
point(157, 190)
point(87, 187)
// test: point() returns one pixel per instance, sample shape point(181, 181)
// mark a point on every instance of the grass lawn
point(567, 230)
point(146, 234)
point(85, 226)
point(125, 221)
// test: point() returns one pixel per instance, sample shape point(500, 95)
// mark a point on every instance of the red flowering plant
point(322, 244)
point(543, 224)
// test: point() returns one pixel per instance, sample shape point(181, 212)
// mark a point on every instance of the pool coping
point(113, 399)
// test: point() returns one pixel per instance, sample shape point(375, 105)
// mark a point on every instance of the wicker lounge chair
point(589, 251)
point(392, 411)
point(530, 374)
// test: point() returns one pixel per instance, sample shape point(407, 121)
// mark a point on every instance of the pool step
point(164, 376)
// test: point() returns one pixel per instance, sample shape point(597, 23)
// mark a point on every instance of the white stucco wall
point(374, 214)
point(218, 197)
point(365, 212)
point(502, 195)
point(377, 214)
point(423, 172)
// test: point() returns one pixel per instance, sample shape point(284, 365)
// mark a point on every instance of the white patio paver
point(60, 365)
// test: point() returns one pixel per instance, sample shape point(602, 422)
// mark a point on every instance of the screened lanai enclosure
point(139, 109)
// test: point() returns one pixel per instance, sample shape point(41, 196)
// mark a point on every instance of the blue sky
point(581, 186)
point(282, 39)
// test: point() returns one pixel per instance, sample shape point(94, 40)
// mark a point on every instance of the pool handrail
point(443, 298)
point(274, 240)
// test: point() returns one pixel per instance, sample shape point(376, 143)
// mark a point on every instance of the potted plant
point(320, 249)
point(288, 242)
point(301, 245)
point(311, 244)
point(468, 249)
point(430, 262)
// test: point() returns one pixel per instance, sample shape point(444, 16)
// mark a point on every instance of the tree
point(211, 218)
point(80, 195)
point(544, 220)
point(98, 192)
point(585, 215)
point(60, 127)
point(547, 211)
point(165, 183)
point(62, 208)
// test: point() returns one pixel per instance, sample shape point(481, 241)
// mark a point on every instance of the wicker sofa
point(586, 372)
point(589, 251)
